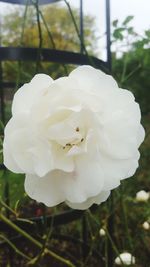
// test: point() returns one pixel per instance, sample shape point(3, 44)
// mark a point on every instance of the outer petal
point(24, 148)
point(120, 135)
point(9, 161)
point(116, 170)
point(51, 191)
point(92, 80)
point(90, 201)
point(11, 143)
point(86, 181)
point(27, 95)
point(47, 190)
point(58, 186)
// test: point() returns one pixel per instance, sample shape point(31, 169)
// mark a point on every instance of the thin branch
point(35, 242)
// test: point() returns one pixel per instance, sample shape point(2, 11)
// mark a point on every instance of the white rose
point(125, 258)
point(75, 138)
point(142, 196)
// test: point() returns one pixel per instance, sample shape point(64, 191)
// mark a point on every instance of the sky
point(120, 9)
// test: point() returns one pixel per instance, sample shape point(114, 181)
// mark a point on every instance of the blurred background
point(98, 236)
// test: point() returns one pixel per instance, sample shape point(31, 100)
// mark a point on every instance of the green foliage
point(133, 67)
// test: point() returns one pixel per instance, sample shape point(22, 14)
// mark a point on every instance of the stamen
point(82, 139)
point(77, 129)
point(68, 144)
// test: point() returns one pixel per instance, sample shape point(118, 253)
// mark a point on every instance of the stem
point(131, 73)
point(40, 36)
point(35, 242)
point(42, 252)
point(78, 34)
point(109, 237)
point(7, 207)
point(21, 43)
point(126, 219)
point(48, 31)
point(51, 38)
point(14, 247)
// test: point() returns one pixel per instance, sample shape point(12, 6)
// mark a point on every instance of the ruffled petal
point(116, 170)
point(47, 190)
point(86, 181)
point(92, 80)
point(117, 138)
point(58, 186)
point(90, 201)
point(27, 95)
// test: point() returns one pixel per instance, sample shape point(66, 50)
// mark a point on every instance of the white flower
point(146, 226)
point(142, 196)
point(125, 258)
point(75, 138)
point(102, 232)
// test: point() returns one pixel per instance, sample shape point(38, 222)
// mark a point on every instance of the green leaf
point(130, 30)
point(127, 20)
point(115, 23)
point(118, 33)
point(147, 33)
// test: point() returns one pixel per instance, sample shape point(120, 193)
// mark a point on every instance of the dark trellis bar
point(38, 222)
point(49, 55)
point(64, 217)
point(23, 2)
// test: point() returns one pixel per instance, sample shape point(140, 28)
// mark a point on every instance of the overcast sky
point(119, 10)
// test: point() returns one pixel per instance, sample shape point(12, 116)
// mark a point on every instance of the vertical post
point(108, 35)
point(81, 28)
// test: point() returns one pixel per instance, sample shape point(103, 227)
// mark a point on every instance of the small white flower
point(102, 232)
point(75, 138)
point(146, 226)
point(125, 258)
point(142, 196)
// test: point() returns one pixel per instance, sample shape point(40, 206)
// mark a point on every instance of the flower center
point(75, 142)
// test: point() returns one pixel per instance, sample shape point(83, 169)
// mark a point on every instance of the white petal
point(116, 170)
point(15, 140)
point(58, 186)
point(9, 161)
point(92, 80)
point(90, 201)
point(47, 190)
point(120, 134)
point(86, 181)
point(61, 159)
point(26, 96)
point(42, 158)
point(24, 146)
